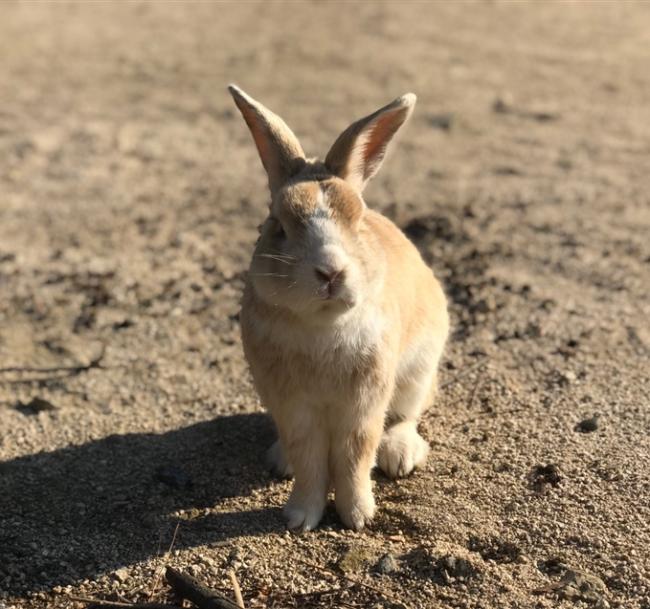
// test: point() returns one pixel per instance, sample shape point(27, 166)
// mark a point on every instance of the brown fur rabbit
point(343, 324)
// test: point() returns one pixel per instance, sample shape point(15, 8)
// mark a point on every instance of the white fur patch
point(349, 336)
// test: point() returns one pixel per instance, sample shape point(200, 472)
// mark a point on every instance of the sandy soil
point(130, 193)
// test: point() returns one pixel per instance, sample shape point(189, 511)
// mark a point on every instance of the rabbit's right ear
point(278, 147)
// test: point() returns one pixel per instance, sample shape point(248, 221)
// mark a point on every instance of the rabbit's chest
point(332, 374)
point(292, 362)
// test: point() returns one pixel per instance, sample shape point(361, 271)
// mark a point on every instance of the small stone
point(503, 103)
point(206, 560)
point(191, 514)
point(493, 548)
point(194, 570)
point(174, 477)
point(588, 425)
point(581, 586)
point(122, 574)
point(354, 559)
point(566, 378)
point(544, 475)
point(48, 140)
point(455, 568)
point(443, 120)
point(553, 565)
point(236, 557)
point(387, 564)
point(34, 406)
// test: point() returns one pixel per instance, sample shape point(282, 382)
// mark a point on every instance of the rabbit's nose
point(329, 275)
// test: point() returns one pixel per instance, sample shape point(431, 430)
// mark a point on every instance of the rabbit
point(342, 322)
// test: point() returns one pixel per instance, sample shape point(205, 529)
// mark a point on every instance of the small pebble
point(34, 406)
point(542, 475)
point(387, 564)
point(442, 121)
point(452, 568)
point(581, 586)
point(588, 425)
point(174, 477)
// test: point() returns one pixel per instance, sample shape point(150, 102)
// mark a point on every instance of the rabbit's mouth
point(330, 291)
point(335, 297)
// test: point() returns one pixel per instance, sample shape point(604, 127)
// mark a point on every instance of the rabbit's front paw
point(401, 450)
point(277, 461)
point(356, 511)
point(303, 514)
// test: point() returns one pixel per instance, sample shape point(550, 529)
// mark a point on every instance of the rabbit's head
point(315, 256)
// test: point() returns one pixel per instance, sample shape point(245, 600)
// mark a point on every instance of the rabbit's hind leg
point(402, 448)
point(277, 461)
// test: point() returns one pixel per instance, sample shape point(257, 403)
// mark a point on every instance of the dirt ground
point(130, 193)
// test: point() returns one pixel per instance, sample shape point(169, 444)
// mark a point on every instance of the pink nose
point(329, 275)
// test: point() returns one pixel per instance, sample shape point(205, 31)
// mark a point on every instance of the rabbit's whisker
point(275, 257)
point(279, 253)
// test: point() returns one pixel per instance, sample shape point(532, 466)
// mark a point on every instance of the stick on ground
point(160, 570)
point(112, 605)
point(204, 598)
point(236, 589)
point(96, 603)
point(59, 372)
point(93, 363)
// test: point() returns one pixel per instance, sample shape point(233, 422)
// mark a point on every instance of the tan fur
point(343, 326)
point(411, 287)
point(278, 147)
point(357, 153)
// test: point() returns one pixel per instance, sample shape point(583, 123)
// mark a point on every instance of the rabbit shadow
point(80, 511)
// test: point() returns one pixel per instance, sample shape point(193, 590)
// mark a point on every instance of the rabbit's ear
point(358, 152)
point(278, 147)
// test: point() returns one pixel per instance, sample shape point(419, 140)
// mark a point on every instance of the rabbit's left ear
point(278, 147)
point(359, 151)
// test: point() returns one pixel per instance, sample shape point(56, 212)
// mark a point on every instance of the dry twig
point(97, 603)
point(203, 597)
point(55, 370)
point(236, 588)
point(475, 392)
point(491, 413)
point(160, 570)
point(464, 372)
